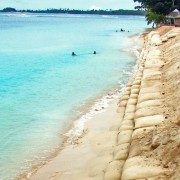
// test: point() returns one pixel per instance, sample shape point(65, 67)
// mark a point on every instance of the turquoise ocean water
point(42, 87)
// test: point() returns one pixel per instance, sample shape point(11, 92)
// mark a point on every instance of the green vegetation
point(157, 9)
point(73, 11)
point(154, 18)
point(9, 9)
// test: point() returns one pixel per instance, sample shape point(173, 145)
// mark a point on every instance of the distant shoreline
point(74, 11)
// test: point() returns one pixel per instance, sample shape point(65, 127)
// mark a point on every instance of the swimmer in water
point(73, 54)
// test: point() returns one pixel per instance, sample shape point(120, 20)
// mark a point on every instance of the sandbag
point(123, 103)
point(127, 125)
point(149, 103)
point(121, 151)
point(130, 108)
point(114, 170)
point(124, 137)
point(154, 83)
point(151, 72)
point(132, 101)
point(150, 90)
point(124, 97)
point(138, 133)
point(149, 121)
point(121, 109)
point(147, 111)
point(134, 96)
point(127, 92)
point(129, 116)
point(137, 82)
point(141, 168)
point(135, 91)
point(151, 77)
point(135, 149)
point(135, 86)
point(149, 96)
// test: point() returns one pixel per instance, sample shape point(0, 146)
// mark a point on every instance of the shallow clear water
point(42, 85)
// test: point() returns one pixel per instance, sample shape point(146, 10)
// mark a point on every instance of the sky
point(72, 4)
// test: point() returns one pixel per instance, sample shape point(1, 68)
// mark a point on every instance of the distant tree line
point(157, 9)
point(74, 11)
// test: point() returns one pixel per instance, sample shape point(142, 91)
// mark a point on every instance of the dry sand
point(139, 139)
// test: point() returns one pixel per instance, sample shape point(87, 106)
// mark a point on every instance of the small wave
point(16, 15)
point(134, 43)
point(110, 16)
point(99, 107)
point(105, 16)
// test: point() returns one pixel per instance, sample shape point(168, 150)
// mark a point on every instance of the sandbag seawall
point(145, 138)
point(150, 112)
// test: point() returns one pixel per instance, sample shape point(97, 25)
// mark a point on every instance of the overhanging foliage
point(157, 9)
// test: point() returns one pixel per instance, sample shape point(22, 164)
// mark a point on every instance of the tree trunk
point(173, 3)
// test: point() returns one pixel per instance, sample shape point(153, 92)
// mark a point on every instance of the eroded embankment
point(148, 140)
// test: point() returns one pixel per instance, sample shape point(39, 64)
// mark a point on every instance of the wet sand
point(75, 160)
point(137, 137)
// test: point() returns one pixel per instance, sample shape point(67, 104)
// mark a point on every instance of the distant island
point(74, 11)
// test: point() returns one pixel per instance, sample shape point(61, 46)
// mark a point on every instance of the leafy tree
point(154, 18)
point(157, 9)
point(9, 9)
point(160, 6)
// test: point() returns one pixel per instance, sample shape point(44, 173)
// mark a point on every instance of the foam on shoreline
point(100, 106)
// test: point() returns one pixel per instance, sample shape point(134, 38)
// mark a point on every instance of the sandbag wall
point(141, 111)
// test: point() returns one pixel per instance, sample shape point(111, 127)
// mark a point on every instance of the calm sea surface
point(42, 87)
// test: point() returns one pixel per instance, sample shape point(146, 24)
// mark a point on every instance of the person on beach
point(73, 54)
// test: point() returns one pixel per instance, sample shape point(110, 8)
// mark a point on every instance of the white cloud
point(94, 7)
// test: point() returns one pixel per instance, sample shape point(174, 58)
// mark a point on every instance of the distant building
point(174, 18)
